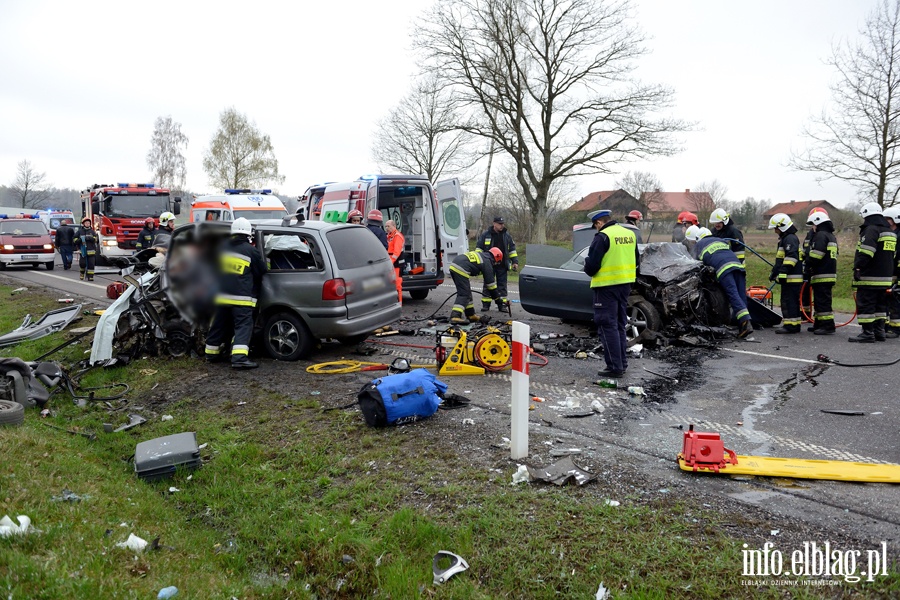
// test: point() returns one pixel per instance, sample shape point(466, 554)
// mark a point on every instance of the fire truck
point(118, 213)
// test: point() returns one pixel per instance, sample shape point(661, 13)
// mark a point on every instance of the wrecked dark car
point(672, 292)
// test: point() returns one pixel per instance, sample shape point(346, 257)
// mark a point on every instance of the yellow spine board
point(801, 468)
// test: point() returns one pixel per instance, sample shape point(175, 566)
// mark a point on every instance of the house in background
point(797, 211)
point(618, 201)
point(665, 206)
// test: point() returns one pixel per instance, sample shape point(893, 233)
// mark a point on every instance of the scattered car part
point(846, 413)
point(705, 451)
point(51, 322)
point(90, 436)
point(158, 458)
point(9, 528)
point(457, 565)
point(11, 413)
point(561, 473)
point(133, 421)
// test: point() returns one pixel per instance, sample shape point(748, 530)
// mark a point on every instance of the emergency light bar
point(136, 185)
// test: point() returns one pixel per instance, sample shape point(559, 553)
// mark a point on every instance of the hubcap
point(284, 337)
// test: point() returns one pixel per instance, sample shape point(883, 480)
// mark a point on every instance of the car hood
point(667, 261)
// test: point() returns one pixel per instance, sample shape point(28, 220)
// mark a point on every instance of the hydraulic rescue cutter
point(705, 451)
point(488, 350)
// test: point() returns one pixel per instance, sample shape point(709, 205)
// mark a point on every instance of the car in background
point(25, 241)
point(324, 280)
point(671, 288)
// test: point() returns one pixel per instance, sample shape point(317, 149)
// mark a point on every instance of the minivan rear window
point(356, 247)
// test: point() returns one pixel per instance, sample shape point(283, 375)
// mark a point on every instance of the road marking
point(102, 287)
point(804, 360)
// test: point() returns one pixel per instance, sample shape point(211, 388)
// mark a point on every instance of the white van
point(250, 204)
point(431, 219)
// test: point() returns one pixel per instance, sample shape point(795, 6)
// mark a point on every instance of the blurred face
point(498, 227)
point(356, 220)
point(718, 226)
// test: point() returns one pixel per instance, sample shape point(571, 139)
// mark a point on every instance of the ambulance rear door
point(452, 220)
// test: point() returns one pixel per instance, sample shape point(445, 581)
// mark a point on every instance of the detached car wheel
point(286, 337)
point(11, 413)
point(642, 316)
point(418, 294)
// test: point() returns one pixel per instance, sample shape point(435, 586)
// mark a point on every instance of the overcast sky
point(81, 84)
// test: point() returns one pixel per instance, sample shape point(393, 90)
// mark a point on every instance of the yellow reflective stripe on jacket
point(459, 271)
point(232, 262)
point(618, 264)
point(231, 300)
point(714, 247)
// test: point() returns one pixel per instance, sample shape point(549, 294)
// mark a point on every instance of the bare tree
point(748, 212)
point(239, 155)
point(165, 158)
point(644, 186)
point(707, 197)
point(550, 81)
point(422, 135)
point(30, 188)
point(858, 140)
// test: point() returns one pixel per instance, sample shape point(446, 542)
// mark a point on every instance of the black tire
point(718, 308)
point(642, 316)
point(49, 265)
point(286, 337)
point(11, 413)
point(418, 294)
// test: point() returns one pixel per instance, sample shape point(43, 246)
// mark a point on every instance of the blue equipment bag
point(401, 398)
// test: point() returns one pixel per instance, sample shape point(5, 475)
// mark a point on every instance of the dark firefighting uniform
point(87, 242)
point(821, 272)
point(873, 268)
point(503, 240)
point(730, 232)
point(788, 272)
point(462, 269)
point(730, 273)
point(145, 239)
point(241, 270)
point(612, 263)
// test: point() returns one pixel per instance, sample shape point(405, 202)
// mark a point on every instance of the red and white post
point(518, 439)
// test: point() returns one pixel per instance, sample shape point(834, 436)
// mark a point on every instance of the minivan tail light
point(334, 289)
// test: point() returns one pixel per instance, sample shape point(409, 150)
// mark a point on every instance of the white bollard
point(518, 444)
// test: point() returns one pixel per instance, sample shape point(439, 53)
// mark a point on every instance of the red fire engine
point(118, 213)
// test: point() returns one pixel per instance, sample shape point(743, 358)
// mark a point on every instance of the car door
point(564, 293)
point(452, 218)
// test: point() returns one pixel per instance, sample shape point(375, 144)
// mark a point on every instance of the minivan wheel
point(418, 294)
point(286, 337)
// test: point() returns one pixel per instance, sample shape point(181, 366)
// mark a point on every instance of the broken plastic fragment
point(9, 528)
point(596, 406)
point(609, 502)
point(167, 592)
point(602, 593)
point(521, 475)
point(167, 417)
point(457, 565)
point(133, 543)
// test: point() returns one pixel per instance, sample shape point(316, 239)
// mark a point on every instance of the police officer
point(631, 222)
point(873, 269)
point(787, 271)
point(729, 272)
point(498, 236)
point(374, 225)
point(724, 228)
point(145, 237)
point(892, 215)
point(241, 270)
point(396, 243)
point(65, 243)
point(612, 263)
point(87, 242)
point(820, 270)
point(462, 269)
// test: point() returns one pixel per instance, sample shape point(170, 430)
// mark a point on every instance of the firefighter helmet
point(375, 215)
point(872, 208)
point(497, 253)
point(149, 221)
point(635, 214)
point(241, 226)
point(780, 221)
point(682, 215)
point(720, 215)
point(817, 218)
point(692, 233)
point(355, 214)
point(817, 209)
point(166, 218)
point(86, 219)
point(893, 213)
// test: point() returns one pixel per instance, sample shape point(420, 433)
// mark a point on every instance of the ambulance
point(430, 217)
point(250, 204)
point(54, 218)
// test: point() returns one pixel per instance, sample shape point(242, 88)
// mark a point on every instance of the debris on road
point(846, 413)
point(9, 528)
point(561, 473)
point(133, 543)
point(51, 322)
point(457, 564)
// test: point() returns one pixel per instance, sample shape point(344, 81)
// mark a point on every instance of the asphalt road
point(765, 396)
point(66, 283)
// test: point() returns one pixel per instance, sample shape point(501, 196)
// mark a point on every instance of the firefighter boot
point(746, 328)
point(879, 331)
point(892, 332)
point(457, 318)
point(243, 364)
point(474, 318)
point(867, 336)
point(485, 306)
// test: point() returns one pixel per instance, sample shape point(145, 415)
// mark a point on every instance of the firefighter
point(873, 270)
point(729, 272)
point(167, 223)
point(87, 243)
point(462, 269)
point(804, 252)
point(726, 229)
point(145, 237)
point(355, 217)
point(820, 270)
point(65, 242)
point(612, 264)
point(498, 236)
point(374, 225)
point(787, 271)
point(241, 270)
point(395, 249)
point(631, 222)
point(892, 215)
